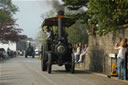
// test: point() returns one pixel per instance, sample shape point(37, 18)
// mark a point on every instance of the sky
point(29, 15)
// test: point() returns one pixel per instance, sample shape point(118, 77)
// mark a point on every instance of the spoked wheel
point(43, 65)
point(33, 56)
point(67, 67)
point(73, 65)
point(44, 58)
point(49, 65)
point(26, 55)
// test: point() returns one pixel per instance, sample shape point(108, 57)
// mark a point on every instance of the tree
point(8, 6)
point(78, 33)
point(9, 32)
point(8, 28)
point(75, 4)
point(107, 14)
point(4, 17)
point(42, 36)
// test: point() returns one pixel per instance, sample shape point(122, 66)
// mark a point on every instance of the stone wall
point(100, 47)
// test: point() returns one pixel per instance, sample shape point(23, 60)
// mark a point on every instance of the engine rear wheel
point(33, 56)
point(67, 67)
point(73, 64)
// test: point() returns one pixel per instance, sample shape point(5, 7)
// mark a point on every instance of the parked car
point(37, 52)
point(3, 53)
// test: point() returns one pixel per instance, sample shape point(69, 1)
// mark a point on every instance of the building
point(10, 45)
point(21, 45)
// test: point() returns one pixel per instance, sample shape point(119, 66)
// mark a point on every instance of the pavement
point(27, 71)
point(100, 74)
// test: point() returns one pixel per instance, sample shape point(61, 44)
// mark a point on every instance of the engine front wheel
point(49, 65)
point(26, 55)
point(43, 65)
point(67, 67)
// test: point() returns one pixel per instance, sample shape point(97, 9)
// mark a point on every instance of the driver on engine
point(50, 36)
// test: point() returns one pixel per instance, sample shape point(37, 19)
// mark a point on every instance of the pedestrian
point(77, 53)
point(8, 51)
point(83, 54)
point(80, 45)
point(49, 33)
point(74, 48)
point(122, 49)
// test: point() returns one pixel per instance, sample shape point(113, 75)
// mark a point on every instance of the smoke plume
point(56, 5)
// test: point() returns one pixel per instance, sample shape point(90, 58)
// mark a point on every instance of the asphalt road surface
point(21, 71)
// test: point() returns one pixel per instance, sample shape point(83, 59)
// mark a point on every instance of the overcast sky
point(29, 15)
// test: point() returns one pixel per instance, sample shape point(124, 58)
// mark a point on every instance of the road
point(21, 71)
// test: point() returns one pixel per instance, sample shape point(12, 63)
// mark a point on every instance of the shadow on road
point(76, 72)
point(82, 72)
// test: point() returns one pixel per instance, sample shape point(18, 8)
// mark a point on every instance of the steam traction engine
point(57, 50)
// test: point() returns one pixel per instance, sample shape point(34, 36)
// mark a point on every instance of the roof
point(54, 22)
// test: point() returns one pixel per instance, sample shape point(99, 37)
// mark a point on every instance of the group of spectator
point(79, 52)
point(11, 53)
